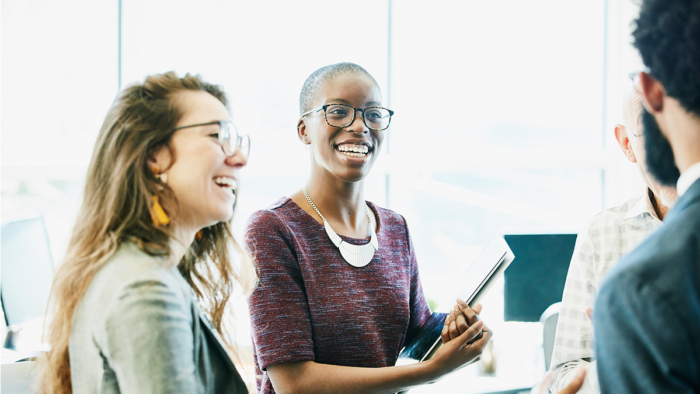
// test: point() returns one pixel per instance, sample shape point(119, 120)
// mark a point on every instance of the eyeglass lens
point(231, 142)
point(341, 115)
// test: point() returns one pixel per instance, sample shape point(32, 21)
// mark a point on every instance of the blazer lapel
point(212, 333)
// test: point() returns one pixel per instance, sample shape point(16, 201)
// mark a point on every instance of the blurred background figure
point(608, 236)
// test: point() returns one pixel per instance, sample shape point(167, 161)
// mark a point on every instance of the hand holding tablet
point(459, 320)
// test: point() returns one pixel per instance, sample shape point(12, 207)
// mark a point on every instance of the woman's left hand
point(459, 320)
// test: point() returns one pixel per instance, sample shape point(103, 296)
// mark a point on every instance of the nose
point(358, 125)
point(238, 160)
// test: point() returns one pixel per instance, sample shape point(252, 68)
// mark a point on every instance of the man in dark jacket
point(647, 314)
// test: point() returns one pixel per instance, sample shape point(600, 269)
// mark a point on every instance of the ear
point(653, 93)
point(159, 159)
point(623, 139)
point(301, 132)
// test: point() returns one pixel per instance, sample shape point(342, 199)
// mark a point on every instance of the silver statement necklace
point(355, 255)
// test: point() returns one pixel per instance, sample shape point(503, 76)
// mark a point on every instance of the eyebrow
point(371, 103)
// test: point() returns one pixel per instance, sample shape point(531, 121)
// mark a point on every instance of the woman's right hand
point(460, 351)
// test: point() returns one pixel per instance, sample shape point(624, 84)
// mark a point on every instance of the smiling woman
point(153, 229)
point(337, 271)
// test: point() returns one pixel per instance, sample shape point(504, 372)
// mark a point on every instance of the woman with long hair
point(339, 291)
point(140, 303)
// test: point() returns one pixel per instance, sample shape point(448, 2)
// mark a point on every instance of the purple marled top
point(311, 305)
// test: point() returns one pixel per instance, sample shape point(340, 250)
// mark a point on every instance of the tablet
point(472, 287)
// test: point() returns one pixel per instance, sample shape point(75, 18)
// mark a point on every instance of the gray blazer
point(138, 329)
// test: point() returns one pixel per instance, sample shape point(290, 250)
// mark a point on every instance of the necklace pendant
point(355, 255)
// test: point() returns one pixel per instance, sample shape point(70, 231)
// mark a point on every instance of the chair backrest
point(549, 320)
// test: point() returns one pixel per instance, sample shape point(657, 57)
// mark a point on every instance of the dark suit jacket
point(647, 314)
point(139, 329)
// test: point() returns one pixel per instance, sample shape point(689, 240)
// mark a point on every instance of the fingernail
point(460, 301)
point(478, 324)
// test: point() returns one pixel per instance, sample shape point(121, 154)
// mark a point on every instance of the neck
point(338, 201)
point(180, 241)
point(683, 132)
point(659, 207)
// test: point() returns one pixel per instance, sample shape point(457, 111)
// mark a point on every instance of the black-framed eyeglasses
point(342, 115)
point(228, 137)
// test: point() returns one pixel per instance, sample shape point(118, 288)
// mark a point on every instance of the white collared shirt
point(688, 177)
point(607, 237)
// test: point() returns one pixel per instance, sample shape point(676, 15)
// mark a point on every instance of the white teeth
point(353, 150)
point(353, 154)
point(226, 182)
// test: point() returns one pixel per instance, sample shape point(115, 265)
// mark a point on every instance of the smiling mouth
point(354, 150)
point(225, 182)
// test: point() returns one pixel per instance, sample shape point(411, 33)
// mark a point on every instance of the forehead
point(356, 89)
point(199, 107)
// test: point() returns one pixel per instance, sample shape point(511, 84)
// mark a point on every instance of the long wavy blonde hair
point(117, 208)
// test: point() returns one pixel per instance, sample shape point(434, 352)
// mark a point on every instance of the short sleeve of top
point(311, 305)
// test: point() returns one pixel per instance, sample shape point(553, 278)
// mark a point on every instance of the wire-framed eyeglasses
point(342, 115)
point(228, 137)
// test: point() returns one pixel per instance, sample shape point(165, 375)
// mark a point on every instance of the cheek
point(321, 143)
point(195, 165)
point(638, 149)
point(379, 140)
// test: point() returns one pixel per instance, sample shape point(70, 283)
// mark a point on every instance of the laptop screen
point(27, 270)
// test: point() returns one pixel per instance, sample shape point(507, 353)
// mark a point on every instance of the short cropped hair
point(667, 35)
point(318, 78)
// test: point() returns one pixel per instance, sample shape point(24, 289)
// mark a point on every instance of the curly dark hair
point(667, 35)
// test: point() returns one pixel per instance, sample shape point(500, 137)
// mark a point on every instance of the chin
point(226, 216)
point(354, 174)
point(217, 217)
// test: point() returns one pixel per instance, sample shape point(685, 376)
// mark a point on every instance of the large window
point(499, 123)
point(504, 109)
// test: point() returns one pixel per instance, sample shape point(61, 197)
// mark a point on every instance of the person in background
point(608, 236)
point(152, 238)
point(647, 314)
point(339, 291)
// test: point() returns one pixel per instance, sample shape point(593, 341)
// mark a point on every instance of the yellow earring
point(158, 216)
point(198, 236)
